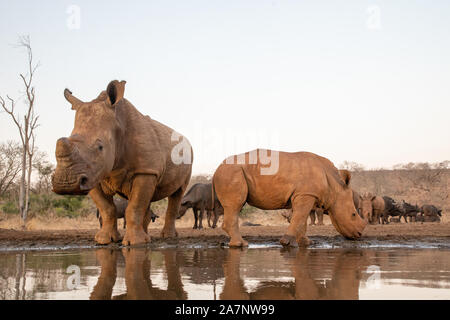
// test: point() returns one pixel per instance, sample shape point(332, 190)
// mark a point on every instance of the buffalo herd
point(383, 210)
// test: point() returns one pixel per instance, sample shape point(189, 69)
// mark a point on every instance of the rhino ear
point(115, 91)
point(346, 176)
point(72, 99)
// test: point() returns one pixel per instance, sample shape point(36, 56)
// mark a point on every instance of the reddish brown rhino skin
point(113, 148)
point(303, 180)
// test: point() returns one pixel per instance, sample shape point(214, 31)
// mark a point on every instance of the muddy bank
point(414, 235)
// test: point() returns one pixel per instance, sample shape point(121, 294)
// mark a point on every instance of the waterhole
point(223, 273)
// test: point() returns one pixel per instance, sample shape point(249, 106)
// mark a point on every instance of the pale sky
point(363, 81)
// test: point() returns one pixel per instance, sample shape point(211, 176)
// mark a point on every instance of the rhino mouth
point(71, 185)
point(351, 232)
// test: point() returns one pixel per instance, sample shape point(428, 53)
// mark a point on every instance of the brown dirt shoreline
point(414, 234)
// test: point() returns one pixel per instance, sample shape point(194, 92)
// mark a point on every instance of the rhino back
point(147, 148)
point(302, 172)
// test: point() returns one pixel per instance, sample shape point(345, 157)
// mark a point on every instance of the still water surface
point(261, 273)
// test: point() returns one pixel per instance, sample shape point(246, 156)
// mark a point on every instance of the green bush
point(47, 203)
point(247, 210)
point(68, 203)
point(10, 207)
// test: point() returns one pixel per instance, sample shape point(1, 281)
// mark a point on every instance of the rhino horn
point(64, 148)
point(73, 100)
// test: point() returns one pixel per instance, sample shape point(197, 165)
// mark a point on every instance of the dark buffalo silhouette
point(200, 199)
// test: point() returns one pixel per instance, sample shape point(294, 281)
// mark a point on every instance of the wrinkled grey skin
point(199, 198)
point(121, 206)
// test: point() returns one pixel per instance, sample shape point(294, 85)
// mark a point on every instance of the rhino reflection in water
point(344, 284)
point(345, 273)
point(114, 149)
point(137, 276)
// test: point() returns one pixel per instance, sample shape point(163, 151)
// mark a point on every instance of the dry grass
point(264, 218)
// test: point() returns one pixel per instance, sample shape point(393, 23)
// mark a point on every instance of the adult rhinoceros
point(113, 149)
point(300, 181)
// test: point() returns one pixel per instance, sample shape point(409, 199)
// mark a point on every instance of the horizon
point(359, 81)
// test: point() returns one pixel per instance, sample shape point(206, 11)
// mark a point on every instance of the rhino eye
point(100, 147)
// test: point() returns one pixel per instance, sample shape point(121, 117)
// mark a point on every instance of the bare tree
point(351, 166)
point(45, 170)
point(10, 154)
point(26, 127)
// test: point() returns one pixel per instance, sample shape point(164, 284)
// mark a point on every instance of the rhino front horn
point(73, 100)
point(64, 148)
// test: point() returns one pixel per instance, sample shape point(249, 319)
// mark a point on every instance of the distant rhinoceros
point(273, 180)
point(372, 207)
point(114, 149)
point(199, 198)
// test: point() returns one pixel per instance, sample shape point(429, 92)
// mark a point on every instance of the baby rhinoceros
point(272, 180)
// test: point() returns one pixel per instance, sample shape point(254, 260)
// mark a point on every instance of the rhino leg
point(108, 232)
point(232, 190)
point(173, 207)
point(301, 206)
point(141, 195)
point(147, 219)
point(231, 226)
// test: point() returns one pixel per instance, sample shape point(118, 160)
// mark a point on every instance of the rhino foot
point(303, 241)
point(134, 237)
point(107, 236)
point(238, 243)
point(169, 233)
point(288, 240)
